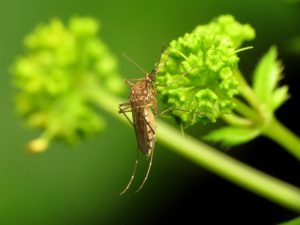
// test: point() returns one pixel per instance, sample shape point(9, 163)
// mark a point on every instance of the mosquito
point(143, 107)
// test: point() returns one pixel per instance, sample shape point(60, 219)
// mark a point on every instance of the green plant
point(57, 76)
point(208, 57)
point(67, 72)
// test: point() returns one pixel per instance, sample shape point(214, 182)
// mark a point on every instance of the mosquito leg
point(133, 174)
point(164, 111)
point(183, 110)
point(178, 78)
point(150, 162)
point(123, 108)
point(147, 174)
point(124, 105)
point(129, 81)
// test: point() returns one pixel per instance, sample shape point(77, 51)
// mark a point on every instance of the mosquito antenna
point(159, 65)
point(134, 63)
point(164, 62)
point(178, 78)
point(161, 52)
point(147, 174)
point(133, 174)
point(183, 75)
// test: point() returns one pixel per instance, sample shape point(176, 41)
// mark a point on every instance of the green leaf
point(230, 136)
point(266, 76)
point(292, 222)
point(280, 95)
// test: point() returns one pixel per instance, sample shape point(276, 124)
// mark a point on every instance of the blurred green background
point(80, 184)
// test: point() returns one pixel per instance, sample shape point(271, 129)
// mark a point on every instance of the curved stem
point(215, 161)
point(283, 136)
point(229, 168)
point(246, 91)
point(246, 111)
point(269, 125)
point(236, 120)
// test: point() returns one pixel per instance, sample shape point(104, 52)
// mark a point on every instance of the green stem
point(246, 91)
point(236, 120)
point(229, 168)
point(246, 111)
point(283, 136)
point(269, 125)
point(215, 161)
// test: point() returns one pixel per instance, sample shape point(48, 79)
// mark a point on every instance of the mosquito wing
point(144, 125)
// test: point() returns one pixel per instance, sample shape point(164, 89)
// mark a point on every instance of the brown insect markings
point(143, 106)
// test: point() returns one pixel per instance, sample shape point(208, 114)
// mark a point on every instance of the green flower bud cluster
point(63, 66)
point(198, 81)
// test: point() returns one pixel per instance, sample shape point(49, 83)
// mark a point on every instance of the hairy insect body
point(142, 105)
point(144, 108)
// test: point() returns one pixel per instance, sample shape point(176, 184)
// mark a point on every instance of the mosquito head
point(151, 76)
